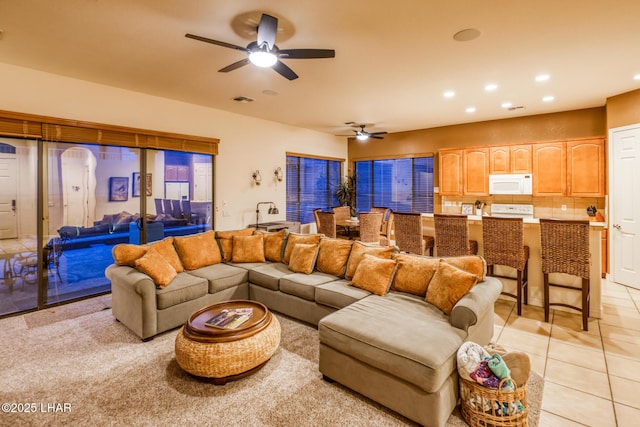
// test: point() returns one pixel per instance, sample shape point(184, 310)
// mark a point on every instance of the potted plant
point(346, 194)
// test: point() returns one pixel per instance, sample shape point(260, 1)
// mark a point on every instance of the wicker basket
point(484, 407)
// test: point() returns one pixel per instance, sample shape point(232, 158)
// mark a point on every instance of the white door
point(625, 205)
point(8, 199)
point(202, 182)
point(78, 186)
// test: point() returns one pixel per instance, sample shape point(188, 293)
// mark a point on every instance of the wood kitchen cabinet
point(510, 159)
point(475, 172)
point(549, 169)
point(586, 168)
point(450, 172)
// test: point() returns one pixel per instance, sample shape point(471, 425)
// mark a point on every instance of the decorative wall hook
point(257, 179)
point(278, 173)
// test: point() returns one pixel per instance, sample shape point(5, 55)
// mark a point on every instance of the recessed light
point(449, 94)
point(243, 99)
point(270, 92)
point(636, 77)
point(466, 35)
point(470, 109)
point(506, 104)
point(548, 98)
point(491, 87)
point(542, 77)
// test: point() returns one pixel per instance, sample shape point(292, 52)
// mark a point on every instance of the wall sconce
point(257, 179)
point(278, 173)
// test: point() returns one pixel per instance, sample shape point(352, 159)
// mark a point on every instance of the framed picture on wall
point(118, 189)
point(135, 185)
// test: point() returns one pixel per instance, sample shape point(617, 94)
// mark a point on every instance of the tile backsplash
point(544, 207)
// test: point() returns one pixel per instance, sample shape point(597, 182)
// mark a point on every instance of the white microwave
point(515, 183)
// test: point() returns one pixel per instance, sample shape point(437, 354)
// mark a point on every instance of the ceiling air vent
point(243, 99)
point(519, 107)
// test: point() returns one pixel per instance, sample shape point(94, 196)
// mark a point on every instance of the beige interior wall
point(623, 110)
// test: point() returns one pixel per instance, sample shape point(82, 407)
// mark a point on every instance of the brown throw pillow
point(358, 250)
point(199, 250)
point(374, 274)
point(126, 254)
point(414, 273)
point(303, 258)
point(294, 239)
point(157, 267)
point(472, 263)
point(448, 285)
point(168, 251)
point(226, 240)
point(248, 248)
point(273, 245)
point(333, 255)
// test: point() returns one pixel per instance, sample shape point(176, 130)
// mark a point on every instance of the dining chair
point(503, 244)
point(343, 213)
point(326, 223)
point(408, 232)
point(176, 209)
point(387, 227)
point(452, 235)
point(564, 247)
point(370, 223)
point(159, 207)
point(168, 208)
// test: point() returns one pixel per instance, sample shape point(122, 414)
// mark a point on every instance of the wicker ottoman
point(221, 355)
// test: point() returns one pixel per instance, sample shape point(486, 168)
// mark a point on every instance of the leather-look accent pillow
point(199, 250)
point(333, 255)
point(448, 285)
point(374, 274)
point(274, 244)
point(358, 250)
point(472, 263)
point(168, 251)
point(225, 238)
point(303, 258)
point(157, 267)
point(127, 254)
point(248, 248)
point(414, 273)
point(294, 239)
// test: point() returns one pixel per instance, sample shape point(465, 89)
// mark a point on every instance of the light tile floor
point(591, 378)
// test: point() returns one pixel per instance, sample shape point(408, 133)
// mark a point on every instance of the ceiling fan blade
point(308, 53)
point(267, 30)
point(216, 42)
point(234, 66)
point(375, 136)
point(378, 133)
point(285, 71)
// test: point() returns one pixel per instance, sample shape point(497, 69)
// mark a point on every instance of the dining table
point(351, 226)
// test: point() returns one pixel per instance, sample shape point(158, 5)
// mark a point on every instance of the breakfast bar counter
point(536, 288)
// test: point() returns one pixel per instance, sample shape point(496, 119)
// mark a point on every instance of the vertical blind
point(311, 184)
point(404, 185)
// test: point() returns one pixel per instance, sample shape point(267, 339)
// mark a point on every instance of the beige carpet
point(80, 356)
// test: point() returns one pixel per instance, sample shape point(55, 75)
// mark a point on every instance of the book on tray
point(230, 318)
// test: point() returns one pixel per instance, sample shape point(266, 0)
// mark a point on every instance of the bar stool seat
point(565, 249)
point(452, 235)
point(503, 242)
point(409, 238)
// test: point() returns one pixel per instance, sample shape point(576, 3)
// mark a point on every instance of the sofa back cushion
point(333, 255)
point(225, 238)
point(294, 239)
point(166, 249)
point(448, 285)
point(358, 250)
point(274, 245)
point(474, 264)
point(127, 254)
point(374, 274)
point(414, 273)
point(248, 248)
point(198, 250)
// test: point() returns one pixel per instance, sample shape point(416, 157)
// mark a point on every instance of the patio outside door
point(8, 199)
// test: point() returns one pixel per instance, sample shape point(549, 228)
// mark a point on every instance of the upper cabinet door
point(549, 169)
point(450, 172)
point(520, 159)
point(499, 160)
point(586, 168)
point(476, 172)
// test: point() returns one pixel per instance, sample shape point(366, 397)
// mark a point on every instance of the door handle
point(617, 227)
point(13, 205)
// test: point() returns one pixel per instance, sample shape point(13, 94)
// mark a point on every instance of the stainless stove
point(512, 210)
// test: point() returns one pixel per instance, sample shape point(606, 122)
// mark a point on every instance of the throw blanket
point(500, 370)
point(469, 357)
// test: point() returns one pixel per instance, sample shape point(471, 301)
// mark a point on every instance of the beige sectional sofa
point(389, 324)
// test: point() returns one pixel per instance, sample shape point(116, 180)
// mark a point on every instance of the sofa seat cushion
point(222, 276)
point(247, 265)
point(399, 334)
point(339, 293)
point(304, 285)
point(185, 287)
point(268, 275)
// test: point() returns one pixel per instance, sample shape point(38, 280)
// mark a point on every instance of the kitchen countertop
point(593, 224)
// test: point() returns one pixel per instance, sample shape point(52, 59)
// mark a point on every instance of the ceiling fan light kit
point(264, 53)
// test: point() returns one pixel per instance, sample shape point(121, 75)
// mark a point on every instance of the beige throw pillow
point(157, 267)
point(374, 274)
point(333, 255)
point(358, 250)
point(199, 250)
point(248, 248)
point(414, 273)
point(127, 254)
point(472, 263)
point(448, 285)
point(273, 245)
point(225, 238)
point(303, 258)
point(168, 251)
point(294, 239)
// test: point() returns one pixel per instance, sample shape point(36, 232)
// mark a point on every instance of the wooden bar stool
point(452, 235)
point(565, 249)
point(409, 238)
point(503, 241)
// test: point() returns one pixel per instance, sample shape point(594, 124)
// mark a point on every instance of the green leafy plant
point(346, 193)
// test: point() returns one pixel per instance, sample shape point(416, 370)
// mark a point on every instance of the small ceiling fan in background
point(264, 53)
point(363, 135)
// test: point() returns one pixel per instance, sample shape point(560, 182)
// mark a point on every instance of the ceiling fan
point(264, 53)
point(363, 135)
